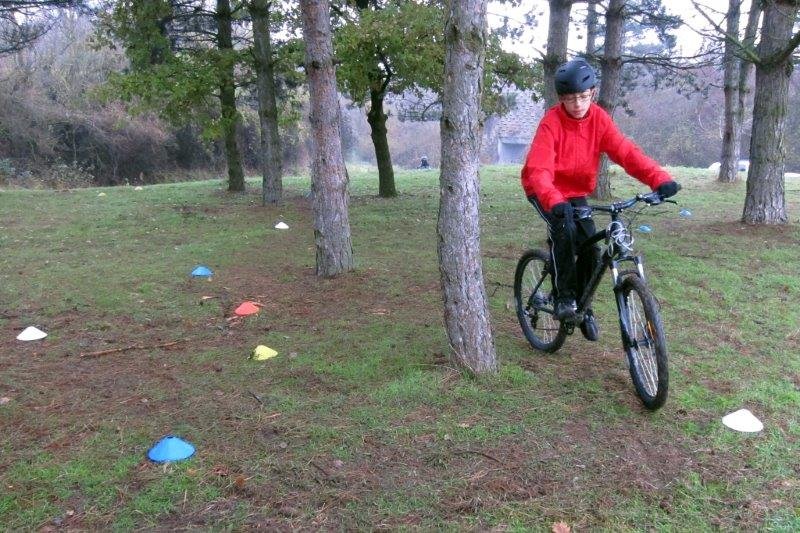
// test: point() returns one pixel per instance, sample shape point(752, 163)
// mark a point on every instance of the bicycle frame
point(612, 256)
point(609, 261)
point(638, 314)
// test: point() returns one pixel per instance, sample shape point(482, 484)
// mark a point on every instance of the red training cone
point(247, 308)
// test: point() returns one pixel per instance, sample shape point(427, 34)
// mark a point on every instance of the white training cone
point(101, 194)
point(137, 188)
point(281, 225)
point(743, 420)
point(31, 334)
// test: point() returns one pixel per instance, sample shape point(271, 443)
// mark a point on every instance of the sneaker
point(565, 309)
point(589, 326)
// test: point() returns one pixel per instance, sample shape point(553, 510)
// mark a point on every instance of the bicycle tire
point(539, 326)
point(644, 343)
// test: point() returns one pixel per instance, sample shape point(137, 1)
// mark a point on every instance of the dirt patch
point(192, 210)
point(778, 234)
point(307, 297)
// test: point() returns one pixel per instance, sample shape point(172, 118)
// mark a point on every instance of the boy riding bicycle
point(561, 170)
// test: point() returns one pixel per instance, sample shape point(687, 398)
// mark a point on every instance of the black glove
point(562, 210)
point(668, 189)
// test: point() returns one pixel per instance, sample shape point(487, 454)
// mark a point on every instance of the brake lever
point(653, 200)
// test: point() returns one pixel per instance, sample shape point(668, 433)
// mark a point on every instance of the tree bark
point(591, 30)
point(329, 180)
point(271, 167)
point(377, 123)
point(765, 202)
point(729, 158)
point(466, 310)
point(746, 68)
point(557, 35)
point(227, 96)
point(610, 73)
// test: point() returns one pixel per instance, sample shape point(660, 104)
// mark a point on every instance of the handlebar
point(651, 198)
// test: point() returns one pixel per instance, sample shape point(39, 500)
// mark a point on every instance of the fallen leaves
point(220, 470)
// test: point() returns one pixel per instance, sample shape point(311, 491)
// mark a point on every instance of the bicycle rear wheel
point(533, 296)
point(644, 341)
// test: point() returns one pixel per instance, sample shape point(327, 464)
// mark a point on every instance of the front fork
point(622, 306)
point(636, 260)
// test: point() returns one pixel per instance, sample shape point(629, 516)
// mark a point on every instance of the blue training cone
point(644, 228)
point(685, 213)
point(170, 449)
point(201, 271)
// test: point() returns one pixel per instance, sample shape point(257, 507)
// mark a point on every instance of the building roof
point(518, 125)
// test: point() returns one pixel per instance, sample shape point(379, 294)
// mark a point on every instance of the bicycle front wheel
point(644, 341)
point(533, 296)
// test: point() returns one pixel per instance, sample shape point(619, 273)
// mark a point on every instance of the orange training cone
point(247, 308)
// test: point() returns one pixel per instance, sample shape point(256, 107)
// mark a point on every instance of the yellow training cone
point(262, 353)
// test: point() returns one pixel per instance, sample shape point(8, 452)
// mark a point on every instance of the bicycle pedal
point(569, 327)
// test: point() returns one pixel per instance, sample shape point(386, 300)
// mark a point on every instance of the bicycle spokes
point(533, 286)
point(641, 334)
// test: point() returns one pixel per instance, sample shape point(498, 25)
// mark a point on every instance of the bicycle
point(639, 318)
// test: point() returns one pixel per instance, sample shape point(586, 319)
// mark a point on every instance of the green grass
point(362, 422)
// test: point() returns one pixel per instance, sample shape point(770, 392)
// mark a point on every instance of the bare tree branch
point(747, 51)
point(693, 61)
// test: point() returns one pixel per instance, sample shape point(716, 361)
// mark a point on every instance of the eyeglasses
point(577, 98)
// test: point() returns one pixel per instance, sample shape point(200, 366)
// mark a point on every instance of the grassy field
point(361, 422)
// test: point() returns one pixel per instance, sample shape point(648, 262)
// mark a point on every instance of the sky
point(533, 41)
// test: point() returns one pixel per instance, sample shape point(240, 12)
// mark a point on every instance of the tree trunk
point(271, 171)
point(466, 310)
point(729, 159)
point(329, 181)
point(765, 202)
point(376, 118)
point(746, 69)
point(611, 70)
point(227, 96)
point(591, 30)
point(377, 123)
point(557, 35)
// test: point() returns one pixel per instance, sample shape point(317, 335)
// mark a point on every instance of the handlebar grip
point(652, 198)
point(582, 211)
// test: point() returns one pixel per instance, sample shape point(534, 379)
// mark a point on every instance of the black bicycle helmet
point(575, 77)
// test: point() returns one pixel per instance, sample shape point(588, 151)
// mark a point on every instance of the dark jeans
point(565, 234)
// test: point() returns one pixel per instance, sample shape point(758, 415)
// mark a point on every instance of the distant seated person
point(423, 163)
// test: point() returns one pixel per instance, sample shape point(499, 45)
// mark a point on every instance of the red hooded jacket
point(565, 153)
